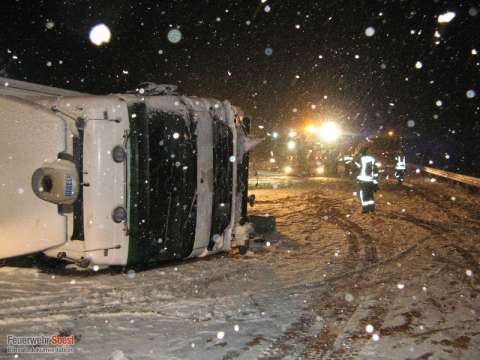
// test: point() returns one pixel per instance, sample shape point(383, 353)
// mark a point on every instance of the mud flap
point(263, 223)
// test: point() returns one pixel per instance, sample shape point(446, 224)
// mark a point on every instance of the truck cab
point(122, 179)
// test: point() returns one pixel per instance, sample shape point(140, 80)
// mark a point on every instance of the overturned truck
point(121, 179)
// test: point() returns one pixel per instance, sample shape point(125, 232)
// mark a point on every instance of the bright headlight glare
point(329, 132)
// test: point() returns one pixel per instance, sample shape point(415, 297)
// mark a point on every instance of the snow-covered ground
point(330, 283)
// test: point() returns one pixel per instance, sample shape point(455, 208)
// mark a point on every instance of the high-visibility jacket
point(400, 163)
point(368, 169)
point(347, 159)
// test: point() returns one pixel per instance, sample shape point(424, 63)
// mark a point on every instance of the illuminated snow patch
point(100, 34)
point(446, 17)
point(174, 36)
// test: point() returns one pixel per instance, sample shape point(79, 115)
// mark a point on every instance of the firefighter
point(367, 180)
point(400, 167)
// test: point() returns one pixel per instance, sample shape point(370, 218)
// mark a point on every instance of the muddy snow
point(330, 283)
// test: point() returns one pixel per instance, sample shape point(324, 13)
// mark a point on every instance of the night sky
point(275, 59)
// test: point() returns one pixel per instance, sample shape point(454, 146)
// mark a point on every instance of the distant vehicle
point(303, 157)
point(384, 148)
point(120, 179)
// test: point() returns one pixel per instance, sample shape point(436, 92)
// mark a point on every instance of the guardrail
point(464, 179)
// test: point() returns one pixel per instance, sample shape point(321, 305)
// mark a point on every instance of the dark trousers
point(366, 192)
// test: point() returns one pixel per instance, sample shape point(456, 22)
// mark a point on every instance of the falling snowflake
point(418, 65)
point(174, 36)
point(369, 31)
point(100, 34)
point(471, 94)
point(131, 274)
point(446, 17)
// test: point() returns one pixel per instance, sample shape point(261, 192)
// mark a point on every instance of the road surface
point(330, 283)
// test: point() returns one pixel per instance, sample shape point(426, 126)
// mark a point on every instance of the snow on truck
point(120, 179)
